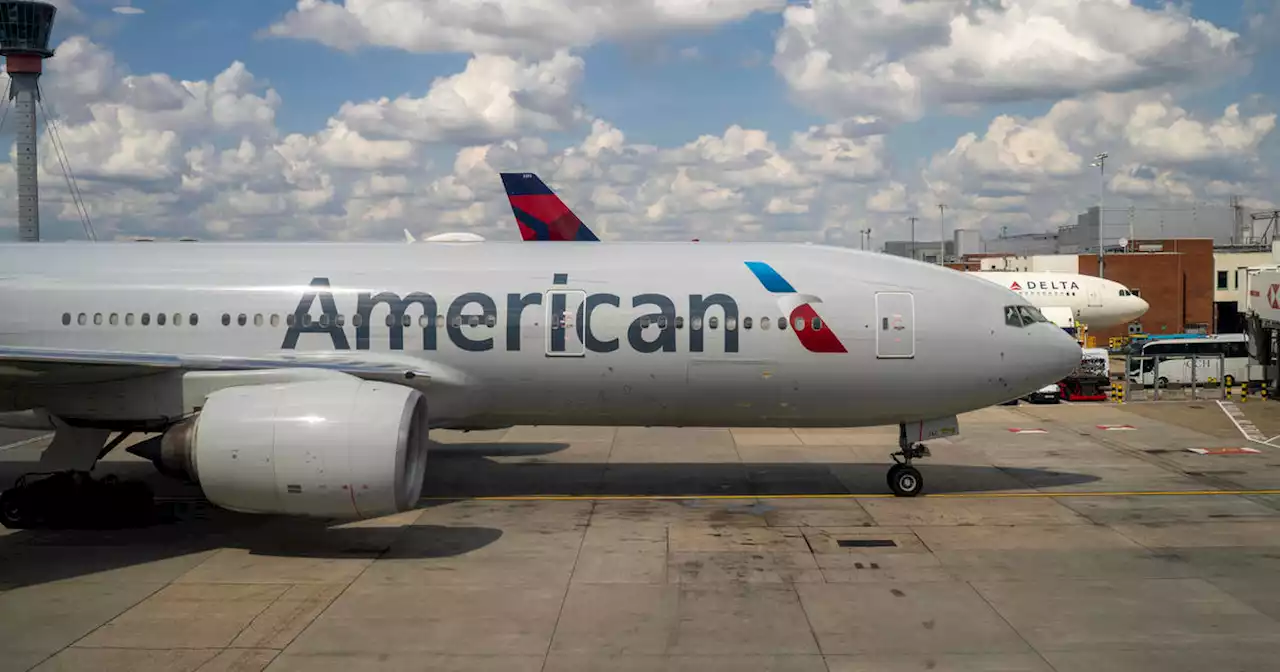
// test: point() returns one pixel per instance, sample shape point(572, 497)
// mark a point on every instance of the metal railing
point(1177, 378)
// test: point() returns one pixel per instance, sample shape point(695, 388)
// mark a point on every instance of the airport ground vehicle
point(1183, 361)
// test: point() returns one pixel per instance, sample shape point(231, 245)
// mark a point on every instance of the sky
point(653, 119)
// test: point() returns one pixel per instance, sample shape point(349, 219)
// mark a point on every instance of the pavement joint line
point(24, 442)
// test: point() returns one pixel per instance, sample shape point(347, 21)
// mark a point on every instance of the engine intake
point(337, 449)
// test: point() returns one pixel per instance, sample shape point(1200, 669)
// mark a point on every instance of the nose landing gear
point(904, 479)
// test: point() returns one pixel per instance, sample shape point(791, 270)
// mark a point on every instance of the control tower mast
point(25, 28)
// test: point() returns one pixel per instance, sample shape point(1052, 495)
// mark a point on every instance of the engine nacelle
point(336, 449)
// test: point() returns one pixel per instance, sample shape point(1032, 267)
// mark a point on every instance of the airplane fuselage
point(1094, 302)
point(619, 334)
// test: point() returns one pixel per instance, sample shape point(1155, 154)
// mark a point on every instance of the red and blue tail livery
point(540, 214)
point(804, 321)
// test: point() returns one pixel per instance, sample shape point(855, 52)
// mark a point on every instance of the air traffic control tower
point(25, 28)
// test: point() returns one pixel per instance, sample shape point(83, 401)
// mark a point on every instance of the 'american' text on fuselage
point(663, 315)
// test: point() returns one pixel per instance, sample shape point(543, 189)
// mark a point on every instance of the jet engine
point(336, 448)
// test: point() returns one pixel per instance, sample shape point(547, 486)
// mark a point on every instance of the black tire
point(1162, 382)
point(906, 481)
point(888, 479)
point(12, 512)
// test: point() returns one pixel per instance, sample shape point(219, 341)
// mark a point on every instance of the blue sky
point(671, 83)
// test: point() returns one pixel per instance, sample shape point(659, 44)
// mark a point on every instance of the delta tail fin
point(540, 214)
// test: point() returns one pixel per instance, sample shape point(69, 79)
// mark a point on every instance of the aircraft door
point(895, 325)
point(1095, 296)
point(566, 322)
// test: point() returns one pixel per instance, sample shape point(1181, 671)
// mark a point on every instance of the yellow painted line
point(956, 495)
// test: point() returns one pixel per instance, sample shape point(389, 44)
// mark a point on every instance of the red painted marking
point(1116, 427)
point(1020, 430)
point(820, 340)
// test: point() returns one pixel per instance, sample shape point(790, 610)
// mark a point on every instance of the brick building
point(1176, 277)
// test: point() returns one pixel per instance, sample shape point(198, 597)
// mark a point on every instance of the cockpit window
point(1021, 316)
point(1125, 292)
point(1030, 315)
point(1012, 317)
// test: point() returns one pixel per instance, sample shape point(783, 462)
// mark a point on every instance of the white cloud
point(899, 58)
point(533, 27)
point(160, 156)
point(494, 98)
point(127, 9)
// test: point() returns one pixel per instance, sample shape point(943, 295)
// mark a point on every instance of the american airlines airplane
point(303, 378)
point(1094, 302)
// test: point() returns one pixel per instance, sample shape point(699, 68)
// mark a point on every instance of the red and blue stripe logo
point(797, 307)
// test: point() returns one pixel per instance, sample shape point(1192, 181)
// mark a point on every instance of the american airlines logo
point(799, 309)
point(653, 331)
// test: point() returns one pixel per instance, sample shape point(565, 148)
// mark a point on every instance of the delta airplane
point(1094, 302)
point(302, 379)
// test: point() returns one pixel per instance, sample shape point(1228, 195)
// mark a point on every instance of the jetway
point(1262, 319)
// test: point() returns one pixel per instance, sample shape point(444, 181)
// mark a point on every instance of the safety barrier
point(1176, 378)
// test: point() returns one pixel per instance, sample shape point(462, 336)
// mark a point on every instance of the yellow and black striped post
point(1120, 393)
point(1244, 392)
point(1264, 390)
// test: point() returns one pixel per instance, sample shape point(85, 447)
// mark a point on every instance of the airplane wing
point(55, 366)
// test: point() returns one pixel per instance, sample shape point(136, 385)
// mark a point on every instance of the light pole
point(1101, 162)
point(864, 238)
point(942, 234)
point(913, 219)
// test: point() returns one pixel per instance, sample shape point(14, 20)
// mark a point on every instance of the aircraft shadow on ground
point(189, 526)
point(515, 469)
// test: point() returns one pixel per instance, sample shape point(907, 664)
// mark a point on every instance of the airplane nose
point(1058, 355)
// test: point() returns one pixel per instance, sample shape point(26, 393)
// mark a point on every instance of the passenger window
point(146, 319)
point(799, 324)
point(473, 320)
point(97, 319)
point(490, 320)
point(764, 323)
point(457, 321)
point(275, 320)
point(241, 319)
point(177, 319)
point(662, 321)
point(66, 319)
point(340, 320)
point(82, 319)
point(730, 323)
point(782, 324)
point(679, 322)
point(193, 319)
point(113, 320)
point(128, 319)
point(1012, 317)
point(160, 319)
point(713, 322)
point(226, 319)
point(388, 321)
point(406, 320)
point(356, 320)
point(746, 323)
point(695, 323)
point(257, 320)
point(290, 319)
point(817, 323)
point(424, 321)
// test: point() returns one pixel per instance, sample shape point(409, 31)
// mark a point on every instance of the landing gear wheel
point(905, 481)
point(893, 474)
point(13, 512)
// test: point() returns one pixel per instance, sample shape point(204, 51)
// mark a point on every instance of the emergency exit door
point(895, 325)
point(566, 319)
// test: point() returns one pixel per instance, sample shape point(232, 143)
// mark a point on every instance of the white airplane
point(1095, 302)
point(302, 378)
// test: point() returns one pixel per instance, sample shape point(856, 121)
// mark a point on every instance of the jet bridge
point(1262, 319)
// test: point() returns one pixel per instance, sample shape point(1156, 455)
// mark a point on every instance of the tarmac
point(1076, 538)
